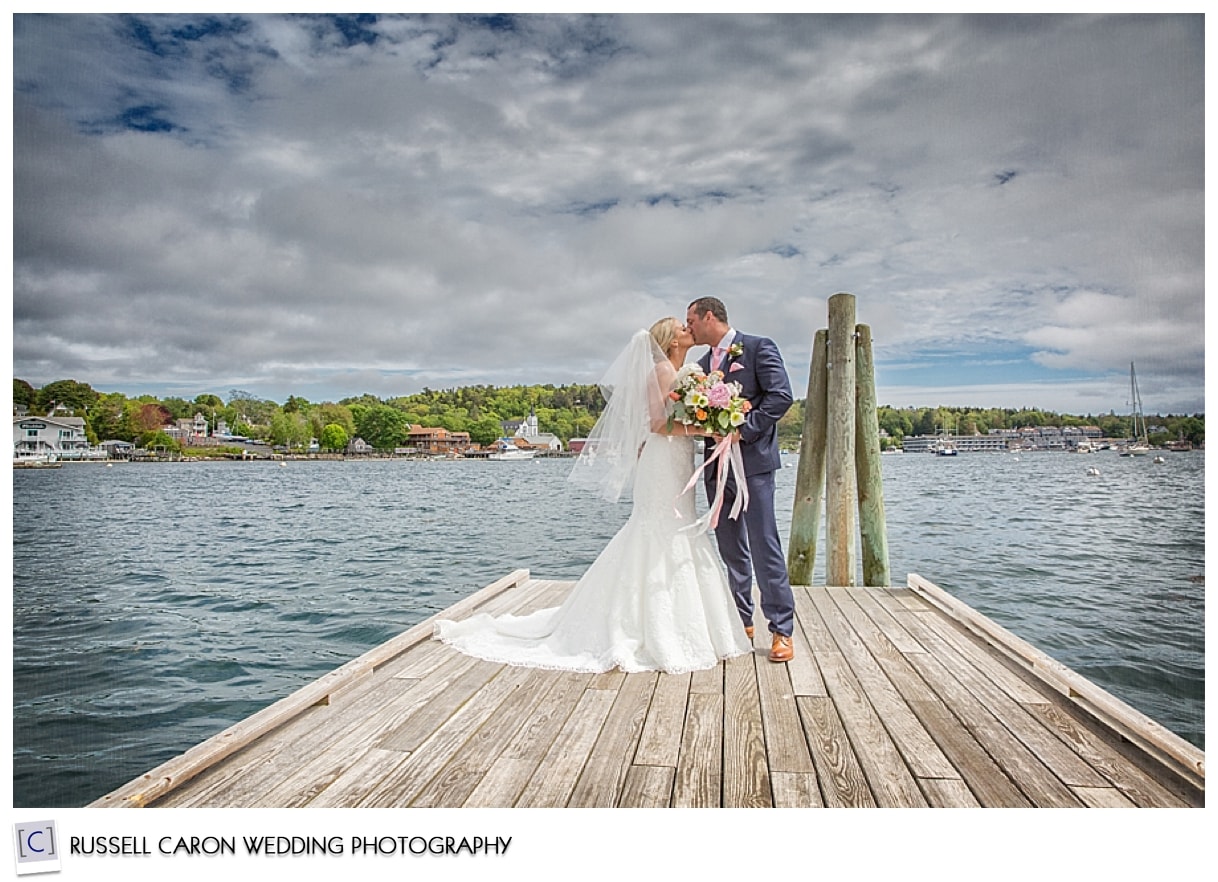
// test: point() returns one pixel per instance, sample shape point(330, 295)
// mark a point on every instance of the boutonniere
point(736, 350)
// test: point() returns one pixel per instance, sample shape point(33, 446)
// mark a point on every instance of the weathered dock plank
point(746, 775)
point(555, 777)
point(506, 778)
point(425, 760)
point(660, 743)
point(842, 781)
point(785, 745)
point(699, 774)
point(896, 697)
point(457, 780)
point(873, 659)
point(602, 777)
point(647, 787)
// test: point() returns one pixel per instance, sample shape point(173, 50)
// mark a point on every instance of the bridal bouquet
point(706, 401)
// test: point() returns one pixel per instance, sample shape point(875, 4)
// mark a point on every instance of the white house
point(188, 429)
point(55, 434)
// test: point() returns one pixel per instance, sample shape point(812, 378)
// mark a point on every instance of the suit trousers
point(750, 547)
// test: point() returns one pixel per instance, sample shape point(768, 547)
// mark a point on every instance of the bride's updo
point(664, 332)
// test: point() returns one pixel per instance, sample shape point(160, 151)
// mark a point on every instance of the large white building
point(49, 434)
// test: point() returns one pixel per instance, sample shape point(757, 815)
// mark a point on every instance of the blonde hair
point(664, 332)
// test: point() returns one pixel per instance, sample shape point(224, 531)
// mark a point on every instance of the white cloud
point(288, 202)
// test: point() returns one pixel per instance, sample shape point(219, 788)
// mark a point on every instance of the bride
point(656, 597)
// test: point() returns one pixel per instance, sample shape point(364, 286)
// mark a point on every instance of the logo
point(37, 847)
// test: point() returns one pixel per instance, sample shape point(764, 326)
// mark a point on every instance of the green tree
point(77, 397)
point(1192, 428)
point(251, 410)
point(159, 440)
point(364, 400)
point(108, 418)
point(382, 426)
point(290, 430)
point(179, 408)
point(334, 437)
point(328, 413)
point(897, 423)
point(23, 393)
point(485, 429)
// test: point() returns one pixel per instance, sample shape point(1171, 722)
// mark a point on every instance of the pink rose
point(719, 395)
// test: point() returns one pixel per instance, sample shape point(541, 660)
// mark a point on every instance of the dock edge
point(173, 773)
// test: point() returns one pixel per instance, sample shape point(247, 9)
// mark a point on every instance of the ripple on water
point(142, 626)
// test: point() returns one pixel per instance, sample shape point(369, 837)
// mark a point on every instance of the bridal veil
point(634, 397)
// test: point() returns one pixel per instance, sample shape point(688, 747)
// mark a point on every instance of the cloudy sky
point(326, 206)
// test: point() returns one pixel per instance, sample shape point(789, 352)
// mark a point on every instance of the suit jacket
point(763, 381)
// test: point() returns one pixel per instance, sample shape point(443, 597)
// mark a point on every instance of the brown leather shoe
point(781, 650)
point(748, 631)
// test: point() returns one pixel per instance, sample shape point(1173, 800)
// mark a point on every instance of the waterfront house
point(49, 434)
point(437, 439)
point(188, 430)
point(117, 449)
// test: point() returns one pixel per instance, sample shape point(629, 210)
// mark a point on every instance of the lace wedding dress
point(655, 599)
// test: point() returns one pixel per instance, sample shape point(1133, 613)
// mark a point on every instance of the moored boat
point(1139, 444)
point(506, 449)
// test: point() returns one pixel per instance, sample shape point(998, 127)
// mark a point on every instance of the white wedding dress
point(656, 598)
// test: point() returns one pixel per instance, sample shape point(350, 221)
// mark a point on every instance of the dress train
point(656, 597)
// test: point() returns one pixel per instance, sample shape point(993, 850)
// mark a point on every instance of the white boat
point(944, 447)
point(506, 449)
point(1139, 445)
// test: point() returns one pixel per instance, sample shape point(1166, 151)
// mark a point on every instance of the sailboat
point(1140, 445)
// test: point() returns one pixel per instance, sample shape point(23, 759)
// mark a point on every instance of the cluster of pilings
point(839, 459)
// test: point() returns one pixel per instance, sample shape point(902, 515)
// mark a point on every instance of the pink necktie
point(716, 358)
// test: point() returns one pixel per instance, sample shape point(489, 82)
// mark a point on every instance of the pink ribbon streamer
point(727, 453)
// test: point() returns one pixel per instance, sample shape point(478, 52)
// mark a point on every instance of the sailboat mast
point(1139, 431)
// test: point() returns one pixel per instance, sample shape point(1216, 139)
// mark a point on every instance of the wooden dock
point(896, 697)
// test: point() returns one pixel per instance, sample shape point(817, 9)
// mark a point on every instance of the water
point(154, 605)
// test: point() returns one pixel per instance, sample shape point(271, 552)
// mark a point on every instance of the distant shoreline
point(548, 455)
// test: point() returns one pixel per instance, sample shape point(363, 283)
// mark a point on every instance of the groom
point(749, 544)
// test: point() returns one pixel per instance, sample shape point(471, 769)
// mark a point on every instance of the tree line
point(565, 411)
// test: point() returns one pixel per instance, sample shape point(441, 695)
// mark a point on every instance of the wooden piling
point(869, 474)
point(810, 477)
point(840, 483)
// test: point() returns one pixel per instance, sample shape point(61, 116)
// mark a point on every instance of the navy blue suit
point(750, 545)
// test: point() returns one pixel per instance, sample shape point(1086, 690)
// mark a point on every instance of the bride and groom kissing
point(656, 598)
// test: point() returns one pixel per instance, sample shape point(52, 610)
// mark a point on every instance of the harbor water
point(156, 604)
